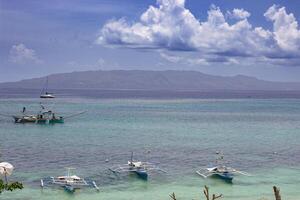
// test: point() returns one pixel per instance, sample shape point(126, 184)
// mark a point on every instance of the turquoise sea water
point(260, 136)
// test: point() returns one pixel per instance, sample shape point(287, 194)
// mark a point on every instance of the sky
point(219, 37)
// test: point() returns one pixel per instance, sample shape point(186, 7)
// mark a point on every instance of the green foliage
point(206, 193)
point(214, 197)
point(10, 186)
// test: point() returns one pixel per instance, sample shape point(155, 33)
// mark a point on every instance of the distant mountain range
point(151, 80)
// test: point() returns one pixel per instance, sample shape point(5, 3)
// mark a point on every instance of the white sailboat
point(45, 94)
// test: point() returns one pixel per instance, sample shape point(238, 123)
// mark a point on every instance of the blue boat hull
point(69, 188)
point(142, 174)
point(226, 176)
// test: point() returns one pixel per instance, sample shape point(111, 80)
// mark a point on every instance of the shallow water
point(260, 136)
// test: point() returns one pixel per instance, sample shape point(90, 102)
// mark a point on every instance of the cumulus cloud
point(172, 27)
point(238, 13)
point(20, 54)
point(285, 29)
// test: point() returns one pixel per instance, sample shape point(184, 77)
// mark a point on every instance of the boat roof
point(68, 177)
point(136, 164)
point(212, 168)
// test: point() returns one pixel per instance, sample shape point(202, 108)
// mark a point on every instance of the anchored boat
point(45, 94)
point(221, 171)
point(25, 119)
point(141, 169)
point(69, 182)
point(42, 117)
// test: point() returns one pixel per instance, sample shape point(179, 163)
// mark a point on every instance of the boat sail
point(45, 94)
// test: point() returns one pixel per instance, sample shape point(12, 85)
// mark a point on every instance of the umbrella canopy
point(6, 168)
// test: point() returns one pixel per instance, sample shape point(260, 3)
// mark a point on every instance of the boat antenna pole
point(219, 158)
point(47, 85)
point(131, 159)
point(69, 171)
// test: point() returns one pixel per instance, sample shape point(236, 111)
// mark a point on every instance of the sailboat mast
point(45, 93)
point(45, 87)
point(47, 84)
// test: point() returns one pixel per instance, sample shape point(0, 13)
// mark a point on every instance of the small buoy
point(107, 160)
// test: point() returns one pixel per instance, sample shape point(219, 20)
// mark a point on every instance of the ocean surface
point(258, 135)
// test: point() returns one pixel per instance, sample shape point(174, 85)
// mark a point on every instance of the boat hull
point(54, 121)
point(69, 188)
point(47, 96)
point(59, 120)
point(24, 119)
point(42, 121)
point(142, 174)
point(228, 177)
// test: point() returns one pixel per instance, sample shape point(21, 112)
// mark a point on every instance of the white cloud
point(20, 54)
point(286, 32)
point(172, 27)
point(238, 13)
point(196, 59)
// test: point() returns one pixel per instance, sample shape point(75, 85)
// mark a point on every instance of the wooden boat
point(221, 171)
point(25, 119)
point(42, 117)
point(141, 169)
point(47, 117)
point(69, 182)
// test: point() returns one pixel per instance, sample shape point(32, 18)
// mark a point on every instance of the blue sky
point(255, 38)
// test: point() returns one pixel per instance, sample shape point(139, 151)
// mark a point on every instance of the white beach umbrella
point(6, 168)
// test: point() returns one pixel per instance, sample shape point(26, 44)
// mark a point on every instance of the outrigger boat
point(221, 171)
point(69, 182)
point(141, 169)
